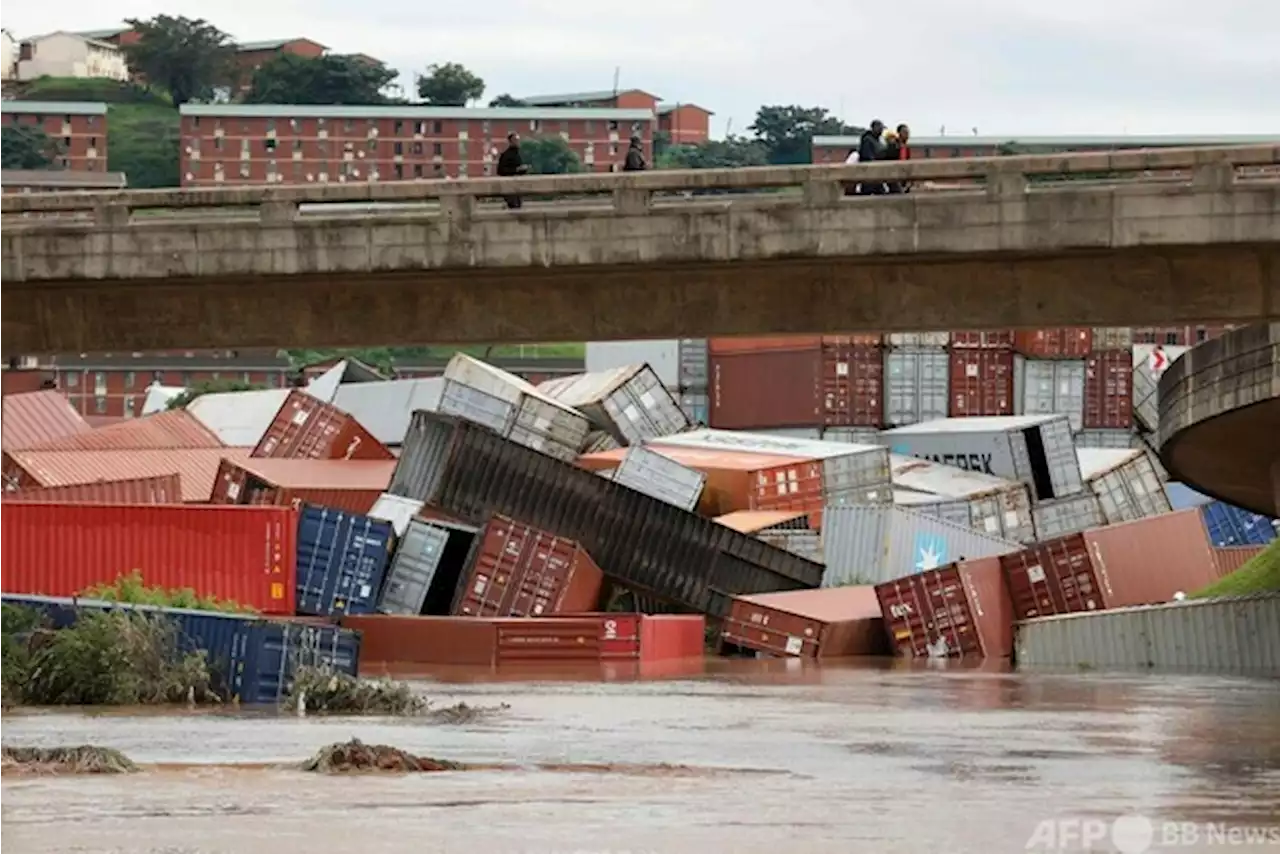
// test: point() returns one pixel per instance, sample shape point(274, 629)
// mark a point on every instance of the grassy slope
point(1260, 574)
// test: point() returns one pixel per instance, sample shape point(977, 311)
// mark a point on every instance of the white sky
point(1007, 67)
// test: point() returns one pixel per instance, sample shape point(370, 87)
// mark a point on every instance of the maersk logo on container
point(931, 551)
point(980, 463)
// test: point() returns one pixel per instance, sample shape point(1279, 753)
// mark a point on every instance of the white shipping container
point(680, 363)
point(397, 510)
point(919, 339)
point(660, 477)
point(803, 542)
point(851, 435)
point(995, 506)
point(871, 544)
point(1125, 482)
point(1064, 516)
point(1146, 381)
point(1049, 386)
point(1037, 450)
point(386, 408)
point(1115, 438)
point(1238, 634)
point(238, 418)
point(629, 402)
point(528, 420)
point(917, 386)
point(597, 441)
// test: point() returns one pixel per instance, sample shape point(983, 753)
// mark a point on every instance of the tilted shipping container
point(981, 383)
point(917, 386)
point(1125, 482)
point(427, 567)
point(352, 485)
point(769, 388)
point(1108, 390)
point(1037, 450)
point(158, 489)
point(242, 554)
point(599, 440)
point(630, 402)
point(396, 510)
point(342, 559)
point(680, 363)
point(1134, 563)
point(961, 610)
point(1047, 387)
point(661, 477)
point(384, 408)
point(238, 418)
point(995, 506)
point(308, 428)
point(852, 383)
point(833, 623)
point(1226, 524)
point(1230, 558)
point(1061, 516)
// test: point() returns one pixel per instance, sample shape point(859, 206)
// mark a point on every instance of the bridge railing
point(636, 192)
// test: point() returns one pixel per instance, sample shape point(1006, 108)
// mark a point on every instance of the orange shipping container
point(852, 384)
point(1228, 559)
point(1143, 562)
point(765, 389)
point(352, 485)
point(761, 344)
point(981, 382)
point(833, 622)
point(1060, 342)
point(961, 610)
point(308, 428)
point(522, 571)
point(159, 489)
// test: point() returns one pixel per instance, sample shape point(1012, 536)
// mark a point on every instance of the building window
point(99, 382)
point(399, 170)
point(293, 125)
point(437, 127)
point(186, 378)
point(373, 144)
point(417, 170)
point(217, 143)
point(417, 148)
point(100, 405)
point(72, 380)
point(129, 379)
point(420, 127)
point(398, 149)
point(589, 127)
point(348, 125)
point(399, 128)
point(269, 144)
point(437, 149)
point(128, 407)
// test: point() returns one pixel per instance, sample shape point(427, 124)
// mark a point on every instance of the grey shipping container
point(918, 340)
point(1106, 439)
point(805, 543)
point(1068, 515)
point(396, 510)
point(680, 363)
point(1238, 634)
point(1037, 450)
point(695, 405)
point(874, 543)
point(1112, 338)
point(1126, 483)
point(917, 385)
point(1049, 386)
point(415, 582)
point(645, 544)
point(852, 435)
point(661, 477)
point(995, 506)
point(597, 441)
point(1146, 380)
point(529, 418)
point(630, 403)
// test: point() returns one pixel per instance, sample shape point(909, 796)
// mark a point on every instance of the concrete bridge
point(1112, 238)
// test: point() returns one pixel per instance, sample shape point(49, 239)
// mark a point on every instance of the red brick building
point(296, 144)
point(79, 128)
point(834, 149)
point(684, 124)
point(250, 56)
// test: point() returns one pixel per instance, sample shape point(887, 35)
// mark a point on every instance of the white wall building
point(8, 55)
point(64, 54)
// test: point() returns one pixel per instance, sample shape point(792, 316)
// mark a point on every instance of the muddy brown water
point(746, 757)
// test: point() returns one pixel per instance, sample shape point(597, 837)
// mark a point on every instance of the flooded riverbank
point(757, 758)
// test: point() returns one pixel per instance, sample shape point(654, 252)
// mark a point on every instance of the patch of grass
point(1259, 575)
point(133, 590)
point(355, 755)
point(90, 89)
point(85, 759)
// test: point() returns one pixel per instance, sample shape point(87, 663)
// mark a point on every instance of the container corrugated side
point(1229, 525)
point(308, 428)
point(660, 477)
point(1125, 482)
point(852, 384)
point(981, 383)
point(859, 476)
point(773, 388)
point(1108, 390)
point(870, 544)
point(1227, 635)
point(806, 543)
point(1112, 337)
point(918, 339)
point(917, 386)
point(1006, 514)
point(529, 420)
point(599, 440)
point(680, 363)
point(342, 559)
point(242, 554)
point(1230, 558)
point(832, 623)
point(1059, 342)
point(1044, 386)
point(1062, 516)
point(427, 567)
point(645, 543)
point(629, 402)
point(159, 489)
point(961, 610)
point(994, 339)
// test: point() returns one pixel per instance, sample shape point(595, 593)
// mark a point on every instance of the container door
point(416, 561)
point(642, 409)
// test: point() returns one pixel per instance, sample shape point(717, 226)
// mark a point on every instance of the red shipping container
point(981, 383)
point(1180, 336)
point(1143, 562)
point(991, 339)
point(766, 389)
point(160, 489)
point(521, 571)
point(761, 344)
point(854, 339)
point(352, 485)
point(833, 622)
point(1228, 559)
point(852, 384)
point(246, 555)
point(1060, 342)
point(308, 428)
point(1108, 390)
point(961, 610)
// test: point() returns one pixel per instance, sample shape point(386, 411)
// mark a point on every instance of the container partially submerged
point(831, 623)
point(342, 559)
point(960, 610)
point(629, 402)
point(995, 506)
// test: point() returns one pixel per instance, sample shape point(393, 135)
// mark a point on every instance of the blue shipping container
point(342, 560)
point(1226, 524)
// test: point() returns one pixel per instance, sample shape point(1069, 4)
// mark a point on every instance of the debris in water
point(355, 755)
point(318, 690)
point(461, 713)
point(85, 759)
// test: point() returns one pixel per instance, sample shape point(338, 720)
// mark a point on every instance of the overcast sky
point(1007, 67)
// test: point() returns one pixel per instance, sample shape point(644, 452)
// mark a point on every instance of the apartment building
point(683, 124)
point(80, 128)
point(63, 54)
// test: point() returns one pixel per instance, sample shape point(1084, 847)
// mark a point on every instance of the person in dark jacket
point(870, 149)
point(896, 149)
point(511, 164)
point(635, 156)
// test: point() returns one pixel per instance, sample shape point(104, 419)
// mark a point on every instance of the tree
point(187, 58)
point(210, 387)
point(549, 155)
point(449, 85)
point(27, 147)
point(292, 79)
point(145, 140)
point(731, 153)
point(505, 100)
point(787, 132)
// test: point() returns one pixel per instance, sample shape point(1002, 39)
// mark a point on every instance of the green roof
point(1056, 142)
point(409, 111)
point(45, 108)
point(578, 97)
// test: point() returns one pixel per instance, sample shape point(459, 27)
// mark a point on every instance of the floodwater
point(747, 757)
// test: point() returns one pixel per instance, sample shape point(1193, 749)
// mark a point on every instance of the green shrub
point(133, 590)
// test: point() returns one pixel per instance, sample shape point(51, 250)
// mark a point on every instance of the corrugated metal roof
point(751, 521)
point(322, 474)
point(196, 466)
point(516, 114)
point(36, 417)
point(1123, 141)
point(581, 97)
point(55, 108)
point(238, 418)
point(976, 424)
point(939, 479)
point(385, 409)
point(1098, 461)
point(176, 429)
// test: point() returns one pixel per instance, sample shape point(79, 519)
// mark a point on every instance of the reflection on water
point(742, 756)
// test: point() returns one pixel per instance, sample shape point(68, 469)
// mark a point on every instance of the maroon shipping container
point(1143, 562)
point(1180, 336)
point(308, 428)
point(518, 570)
point(1060, 342)
point(1228, 559)
point(852, 384)
point(243, 554)
point(1108, 390)
point(160, 489)
point(765, 389)
point(981, 383)
point(961, 610)
point(991, 339)
point(833, 622)
point(352, 485)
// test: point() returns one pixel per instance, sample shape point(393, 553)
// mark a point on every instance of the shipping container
point(735, 344)
point(643, 543)
point(981, 383)
point(852, 383)
point(987, 340)
point(1230, 558)
point(1178, 336)
point(427, 567)
point(516, 570)
point(680, 363)
point(870, 544)
point(196, 467)
point(1037, 450)
point(661, 477)
point(914, 340)
point(599, 440)
point(1149, 362)
point(38, 417)
point(630, 403)
point(1061, 516)
point(1108, 390)
point(995, 506)
point(1046, 387)
point(917, 386)
point(1228, 525)
point(1112, 337)
point(238, 418)
point(342, 559)
point(796, 532)
point(851, 435)
point(767, 388)
point(242, 554)
point(386, 408)
point(1134, 563)
point(308, 428)
point(1228, 635)
point(1060, 342)
point(158, 489)
point(1125, 482)
point(396, 510)
point(834, 623)
point(1107, 439)
point(164, 430)
point(961, 610)
point(696, 405)
point(351, 485)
